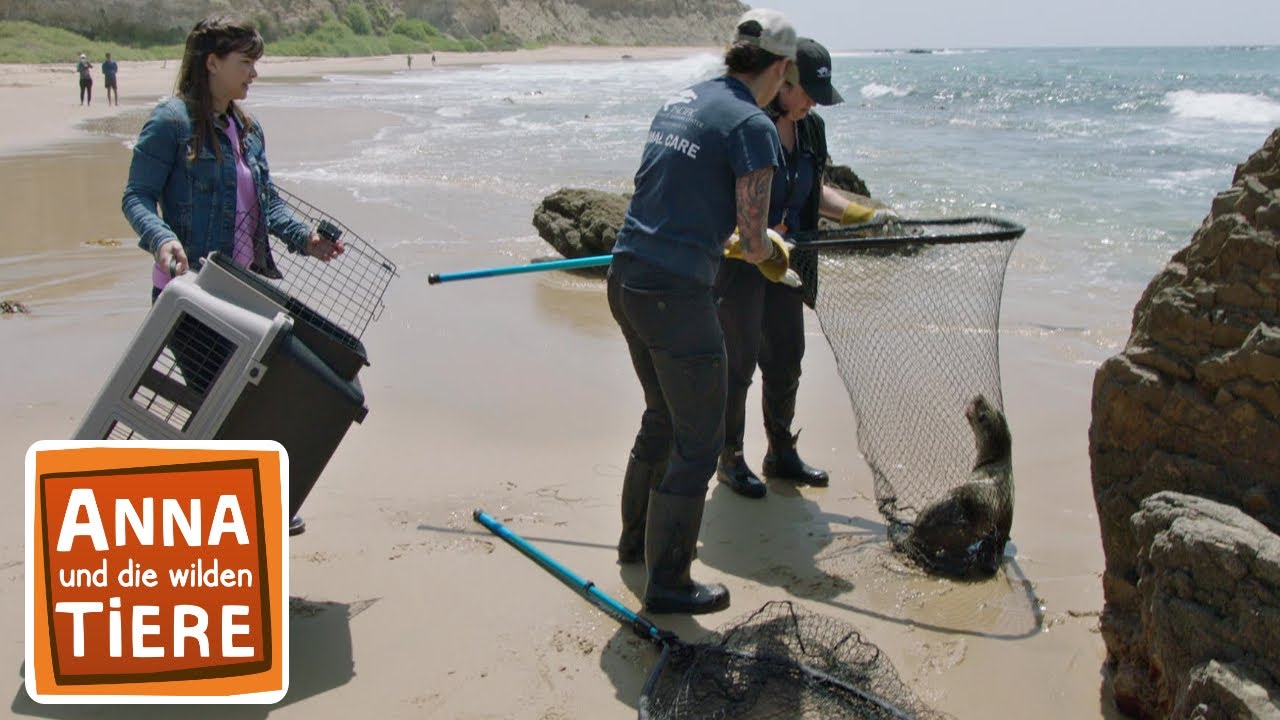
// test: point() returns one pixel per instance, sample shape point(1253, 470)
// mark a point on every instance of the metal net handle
point(978, 228)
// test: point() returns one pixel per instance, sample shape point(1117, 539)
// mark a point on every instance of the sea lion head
point(990, 429)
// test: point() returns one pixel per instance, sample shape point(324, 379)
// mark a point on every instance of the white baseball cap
point(82, 56)
point(769, 30)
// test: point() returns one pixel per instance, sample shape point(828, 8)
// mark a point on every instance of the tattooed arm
point(753, 214)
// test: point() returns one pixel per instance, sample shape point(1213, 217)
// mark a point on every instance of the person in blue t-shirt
point(706, 167)
point(109, 68)
point(763, 322)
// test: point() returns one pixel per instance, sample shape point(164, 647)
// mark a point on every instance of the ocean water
point(1109, 156)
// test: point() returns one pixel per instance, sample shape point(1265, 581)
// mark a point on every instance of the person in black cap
point(707, 165)
point(763, 321)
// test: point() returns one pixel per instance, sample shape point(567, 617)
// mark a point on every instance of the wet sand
point(516, 395)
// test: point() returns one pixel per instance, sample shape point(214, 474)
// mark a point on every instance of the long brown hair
point(219, 36)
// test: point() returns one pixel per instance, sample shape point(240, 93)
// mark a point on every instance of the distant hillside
point(571, 22)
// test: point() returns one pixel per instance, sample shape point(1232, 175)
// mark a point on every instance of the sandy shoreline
point(516, 396)
point(42, 101)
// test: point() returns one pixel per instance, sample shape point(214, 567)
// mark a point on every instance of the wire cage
point(346, 291)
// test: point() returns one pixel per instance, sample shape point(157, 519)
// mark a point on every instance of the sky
point(854, 25)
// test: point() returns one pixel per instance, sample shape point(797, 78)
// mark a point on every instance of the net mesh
point(912, 317)
point(781, 661)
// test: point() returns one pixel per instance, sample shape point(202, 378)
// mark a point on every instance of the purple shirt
point(246, 212)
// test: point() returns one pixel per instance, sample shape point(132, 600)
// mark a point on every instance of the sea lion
point(964, 532)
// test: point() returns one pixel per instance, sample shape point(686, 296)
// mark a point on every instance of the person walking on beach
point(109, 68)
point(85, 69)
point(174, 198)
point(763, 321)
point(706, 167)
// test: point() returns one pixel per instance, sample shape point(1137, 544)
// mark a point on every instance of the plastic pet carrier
point(229, 354)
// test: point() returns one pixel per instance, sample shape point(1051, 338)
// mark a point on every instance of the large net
point(780, 662)
point(912, 316)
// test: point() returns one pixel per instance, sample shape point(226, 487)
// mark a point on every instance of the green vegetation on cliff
point(355, 35)
point(25, 42)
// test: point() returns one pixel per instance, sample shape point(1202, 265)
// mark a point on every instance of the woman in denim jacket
point(201, 162)
point(199, 181)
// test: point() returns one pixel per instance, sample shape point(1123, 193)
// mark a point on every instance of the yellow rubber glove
point(855, 214)
point(776, 267)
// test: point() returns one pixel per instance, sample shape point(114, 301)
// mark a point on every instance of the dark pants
point(677, 349)
point(86, 90)
point(763, 324)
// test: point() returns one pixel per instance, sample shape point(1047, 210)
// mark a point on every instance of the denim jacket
point(197, 199)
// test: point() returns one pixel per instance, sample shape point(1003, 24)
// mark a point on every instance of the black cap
point(814, 63)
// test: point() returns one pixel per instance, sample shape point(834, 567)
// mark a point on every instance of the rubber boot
point(784, 463)
point(640, 479)
point(778, 403)
point(671, 536)
point(732, 470)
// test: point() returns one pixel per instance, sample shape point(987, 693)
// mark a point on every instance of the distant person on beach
point(174, 198)
point(763, 321)
point(408, 60)
point(109, 68)
point(85, 69)
point(707, 166)
point(433, 59)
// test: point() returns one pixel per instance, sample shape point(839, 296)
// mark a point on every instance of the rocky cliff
point(1192, 405)
point(617, 22)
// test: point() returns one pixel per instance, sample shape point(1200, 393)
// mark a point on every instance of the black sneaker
point(297, 526)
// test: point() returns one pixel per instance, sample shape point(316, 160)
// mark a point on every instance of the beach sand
point(516, 395)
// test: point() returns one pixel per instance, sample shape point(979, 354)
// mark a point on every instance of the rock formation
point(844, 178)
point(580, 222)
point(1209, 607)
point(1192, 405)
point(580, 22)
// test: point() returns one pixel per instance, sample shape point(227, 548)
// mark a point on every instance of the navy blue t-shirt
point(792, 184)
point(700, 142)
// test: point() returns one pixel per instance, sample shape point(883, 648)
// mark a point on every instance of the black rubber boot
point(671, 537)
point(784, 463)
point(640, 479)
point(732, 470)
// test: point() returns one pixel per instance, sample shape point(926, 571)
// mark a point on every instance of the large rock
point(580, 222)
point(844, 178)
point(1191, 405)
point(1209, 607)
